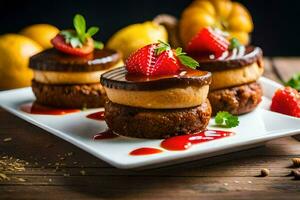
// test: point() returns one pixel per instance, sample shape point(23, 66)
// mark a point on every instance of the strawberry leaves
point(294, 82)
point(79, 37)
point(98, 45)
point(92, 31)
point(182, 57)
point(161, 47)
point(234, 44)
point(186, 60)
point(80, 27)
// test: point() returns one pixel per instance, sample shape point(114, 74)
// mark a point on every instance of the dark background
point(277, 26)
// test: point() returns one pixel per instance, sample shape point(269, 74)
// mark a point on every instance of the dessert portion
point(68, 75)
point(157, 94)
point(235, 71)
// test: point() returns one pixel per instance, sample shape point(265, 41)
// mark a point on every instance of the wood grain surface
point(55, 169)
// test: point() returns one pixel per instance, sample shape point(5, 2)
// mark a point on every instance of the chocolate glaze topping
point(120, 79)
point(54, 60)
point(231, 59)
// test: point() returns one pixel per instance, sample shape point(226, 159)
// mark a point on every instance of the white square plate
point(255, 128)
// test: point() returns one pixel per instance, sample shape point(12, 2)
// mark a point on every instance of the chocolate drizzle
point(231, 59)
point(54, 60)
point(120, 79)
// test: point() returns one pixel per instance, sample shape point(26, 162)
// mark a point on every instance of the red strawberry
point(208, 41)
point(59, 43)
point(166, 63)
point(142, 61)
point(158, 59)
point(286, 101)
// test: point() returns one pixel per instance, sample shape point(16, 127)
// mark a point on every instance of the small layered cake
point(157, 95)
point(234, 85)
point(235, 71)
point(68, 75)
point(68, 81)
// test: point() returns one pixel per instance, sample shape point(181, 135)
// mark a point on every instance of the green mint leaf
point(294, 82)
point(92, 31)
point(178, 51)
point(219, 119)
point(78, 38)
point(75, 42)
point(188, 61)
point(98, 45)
point(80, 26)
point(232, 121)
point(225, 119)
point(164, 43)
point(234, 43)
point(162, 46)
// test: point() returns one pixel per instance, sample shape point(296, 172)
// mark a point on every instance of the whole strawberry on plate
point(286, 101)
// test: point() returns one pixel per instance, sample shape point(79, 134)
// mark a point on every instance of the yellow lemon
point(15, 51)
point(135, 36)
point(41, 33)
point(229, 16)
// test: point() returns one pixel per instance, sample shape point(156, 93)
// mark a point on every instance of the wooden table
point(56, 169)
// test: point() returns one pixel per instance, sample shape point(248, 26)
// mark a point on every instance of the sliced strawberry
point(166, 63)
point(142, 61)
point(59, 43)
point(286, 101)
point(208, 41)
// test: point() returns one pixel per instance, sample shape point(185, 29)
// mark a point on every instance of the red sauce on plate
point(108, 134)
point(145, 151)
point(34, 108)
point(183, 142)
point(97, 116)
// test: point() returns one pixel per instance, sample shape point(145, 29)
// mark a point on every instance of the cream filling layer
point(235, 77)
point(51, 77)
point(160, 99)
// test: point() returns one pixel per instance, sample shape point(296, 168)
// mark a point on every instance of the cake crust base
point(156, 124)
point(236, 100)
point(69, 96)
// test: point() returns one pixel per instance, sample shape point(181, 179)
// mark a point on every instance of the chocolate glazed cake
point(234, 86)
point(156, 107)
point(62, 80)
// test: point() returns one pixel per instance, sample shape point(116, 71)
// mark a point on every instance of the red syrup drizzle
point(144, 151)
point(34, 108)
point(184, 142)
point(97, 116)
point(108, 134)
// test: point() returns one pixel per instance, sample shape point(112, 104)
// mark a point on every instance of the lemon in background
point(135, 36)
point(15, 51)
point(41, 33)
